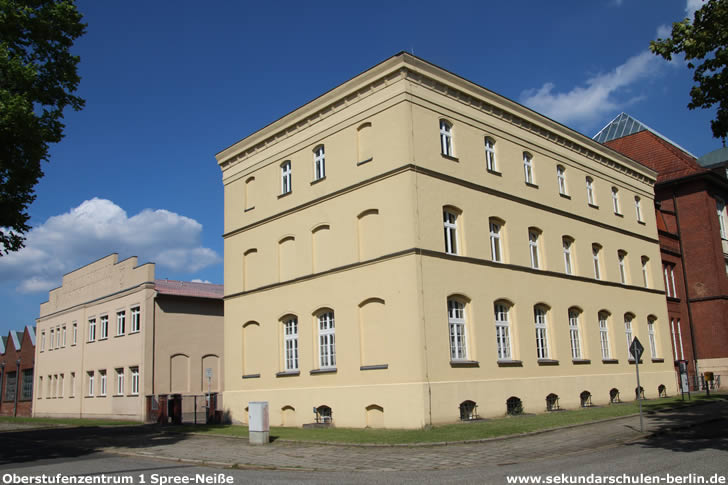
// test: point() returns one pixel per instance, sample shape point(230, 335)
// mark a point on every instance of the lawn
point(473, 430)
point(71, 422)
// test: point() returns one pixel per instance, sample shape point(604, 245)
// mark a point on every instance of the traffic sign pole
point(636, 349)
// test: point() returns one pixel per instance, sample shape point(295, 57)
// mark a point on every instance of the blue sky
point(170, 83)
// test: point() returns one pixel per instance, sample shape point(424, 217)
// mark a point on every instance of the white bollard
point(258, 427)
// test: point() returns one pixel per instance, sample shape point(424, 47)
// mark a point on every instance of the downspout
point(687, 290)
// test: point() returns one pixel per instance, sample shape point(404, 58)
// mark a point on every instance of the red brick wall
point(27, 361)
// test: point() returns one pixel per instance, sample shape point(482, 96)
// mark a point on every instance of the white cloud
point(197, 280)
point(97, 228)
point(691, 6)
point(602, 95)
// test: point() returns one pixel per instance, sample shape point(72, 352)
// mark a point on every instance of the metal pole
point(17, 382)
point(639, 392)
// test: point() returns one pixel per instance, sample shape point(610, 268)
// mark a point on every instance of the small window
point(669, 272)
point(456, 324)
point(590, 191)
point(552, 402)
point(496, 244)
point(621, 257)
point(104, 327)
point(74, 333)
point(120, 322)
point(645, 271)
point(615, 200)
point(42, 341)
point(721, 211)
point(136, 319)
point(102, 383)
point(596, 248)
point(324, 414)
point(533, 237)
point(514, 406)
point(561, 179)
point(134, 380)
point(639, 393)
point(91, 330)
point(585, 399)
point(528, 168)
point(120, 381)
point(319, 163)
point(567, 243)
point(490, 164)
point(468, 411)
point(90, 381)
point(450, 218)
point(614, 396)
point(638, 208)
point(662, 390)
point(446, 147)
point(286, 186)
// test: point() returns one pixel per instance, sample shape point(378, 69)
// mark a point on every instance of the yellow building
point(412, 249)
point(112, 337)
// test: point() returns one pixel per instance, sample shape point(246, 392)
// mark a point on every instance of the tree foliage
point(704, 42)
point(38, 77)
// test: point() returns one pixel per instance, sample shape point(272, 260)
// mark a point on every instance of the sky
point(169, 83)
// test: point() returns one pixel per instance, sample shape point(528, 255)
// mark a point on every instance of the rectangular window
point(456, 323)
point(679, 338)
point(495, 242)
point(134, 380)
point(502, 332)
point(615, 200)
point(39, 395)
point(64, 336)
point(542, 341)
point(102, 383)
point(90, 376)
point(595, 257)
point(533, 247)
point(651, 335)
point(42, 341)
point(621, 255)
point(92, 330)
point(120, 322)
point(528, 168)
point(319, 163)
point(60, 385)
point(120, 381)
point(73, 385)
point(674, 340)
point(451, 235)
point(590, 191)
point(645, 261)
point(669, 273)
point(74, 333)
point(638, 208)
point(53, 339)
point(11, 384)
point(286, 177)
point(567, 255)
point(327, 341)
point(290, 344)
point(628, 334)
point(720, 208)
point(561, 179)
point(490, 155)
point(604, 336)
point(104, 327)
point(26, 387)
point(574, 335)
point(446, 138)
point(136, 319)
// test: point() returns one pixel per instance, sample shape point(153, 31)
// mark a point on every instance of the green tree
point(37, 80)
point(704, 42)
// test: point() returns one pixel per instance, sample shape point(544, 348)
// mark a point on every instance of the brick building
point(17, 358)
point(690, 196)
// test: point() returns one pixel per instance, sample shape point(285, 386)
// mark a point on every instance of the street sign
point(636, 349)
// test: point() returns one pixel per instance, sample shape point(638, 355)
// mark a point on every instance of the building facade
point(690, 201)
point(412, 249)
point(17, 357)
point(112, 339)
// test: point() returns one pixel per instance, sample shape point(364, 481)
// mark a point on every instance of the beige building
point(412, 249)
point(112, 335)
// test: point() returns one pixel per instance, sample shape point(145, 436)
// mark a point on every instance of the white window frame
point(104, 325)
point(74, 333)
point(119, 381)
point(457, 329)
point(721, 212)
point(290, 344)
point(327, 340)
point(136, 319)
point(542, 338)
point(596, 249)
point(674, 340)
point(319, 163)
point(450, 223)
point(502, 331)
point(286, 178)
point(590, 191)
point(446, 145)
point(628, 334)
point(102, 383)
point(92, 330)
point(638, 208)
point(645, 271)
point(134, 380)
point(533, 237)
point(52, 345)
point(496, 248)
point(561, 179)
point(528, 168)
point(72, 392)
point(60, 385)
point(42, 341)
point(64, 335)
point(120, 322)
point(615, 200)
point(621, 255)
point(566, 244)
point(574, 335)
point(90, 375)
point(651, 335)
point(490, 160)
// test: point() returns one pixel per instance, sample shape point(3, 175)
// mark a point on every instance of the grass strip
point(72, 422)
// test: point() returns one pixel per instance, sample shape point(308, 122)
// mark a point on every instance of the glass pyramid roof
point(624, 125)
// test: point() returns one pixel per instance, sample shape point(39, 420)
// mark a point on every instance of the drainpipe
point(2, 374)
point(17, 387)
point(687, 287)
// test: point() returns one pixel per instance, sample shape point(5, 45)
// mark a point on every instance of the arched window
point(249, 203)
point(490, 164)
point(561, 179)
point(638, 208)
point(614, 396)
point(502, 330)
point(591, 200)
point(574, 334)
point(364, 143)
point(327, 339)
point(662, 390)
point(324, 414)
point(450, 222)
point(514, 406)
point(528, 167)
point(628, 332)
point(651, 335)
point(567, 243)
point(645, 271)
point(446, 145)
point(615, 200)
point(496, 243)
point(286, 186)
point(542, 340)
point(621, 259)
point(639, 392)
point(319, 163)
point(456, 324)
point(533, 246)
point(604, 335)
point(585, 399)
point(468, 411)
point(552, 402)
point(596, 249)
